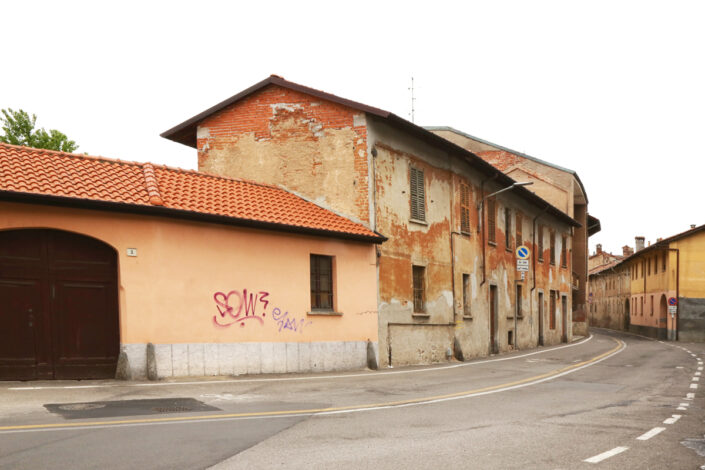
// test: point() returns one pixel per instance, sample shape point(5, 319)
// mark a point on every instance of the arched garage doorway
point(58, 306)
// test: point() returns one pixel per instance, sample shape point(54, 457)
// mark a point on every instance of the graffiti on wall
point(239, 307)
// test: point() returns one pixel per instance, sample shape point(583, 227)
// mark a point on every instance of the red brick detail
point(263, 112)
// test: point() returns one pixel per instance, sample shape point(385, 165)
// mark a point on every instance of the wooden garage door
point(58, 306)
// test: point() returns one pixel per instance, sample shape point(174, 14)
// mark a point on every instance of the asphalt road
point(609, 401)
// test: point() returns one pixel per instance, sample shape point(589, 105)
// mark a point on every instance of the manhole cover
point(82, 406)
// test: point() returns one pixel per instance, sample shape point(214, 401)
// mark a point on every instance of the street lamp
point(514, 185)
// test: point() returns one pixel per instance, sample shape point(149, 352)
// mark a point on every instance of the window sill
point(421, 315)
point(467, 317)
point(510, 317)
point(467, 234)
point(520, 317)
point(325, 313)
point(417, 221)
point(492, 243)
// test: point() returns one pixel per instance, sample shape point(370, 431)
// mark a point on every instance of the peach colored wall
point(167, 291)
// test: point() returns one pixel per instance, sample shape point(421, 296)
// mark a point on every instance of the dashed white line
point(689, 396)
point(672, 419)
point(693, 385)
point(679, 367)
point(648, 435)
point(695, 379)
point(682, 408)
point(697, 374)
point(606, 455)
point(700, 368)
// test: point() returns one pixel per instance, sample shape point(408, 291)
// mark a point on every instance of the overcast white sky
point(613, 90)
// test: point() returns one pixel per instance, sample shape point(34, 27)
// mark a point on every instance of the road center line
point(672, 419)
point(605, 455)
point(648, 435)
point(332, 410)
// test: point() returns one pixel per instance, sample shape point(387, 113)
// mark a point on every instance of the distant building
point(559, 186)
point(666, 289)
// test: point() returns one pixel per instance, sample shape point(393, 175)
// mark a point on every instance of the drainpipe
point(678, 297)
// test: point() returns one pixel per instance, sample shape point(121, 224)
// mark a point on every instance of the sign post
point(523, 253)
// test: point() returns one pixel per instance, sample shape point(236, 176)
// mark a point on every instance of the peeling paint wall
point(313, 147)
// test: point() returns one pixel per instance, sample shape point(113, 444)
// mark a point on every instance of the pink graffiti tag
point(230, 314)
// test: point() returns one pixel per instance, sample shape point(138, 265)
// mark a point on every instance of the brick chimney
point(627, 250)
point(639, 242)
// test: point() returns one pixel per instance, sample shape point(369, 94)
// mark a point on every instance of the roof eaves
point(64, 201)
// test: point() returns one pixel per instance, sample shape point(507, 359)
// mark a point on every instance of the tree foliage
point(18, 127)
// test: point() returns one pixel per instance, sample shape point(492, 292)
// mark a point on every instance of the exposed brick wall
point(305, 134)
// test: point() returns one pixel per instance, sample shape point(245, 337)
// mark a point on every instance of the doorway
point(494, 341)
point(541, 324)
point(58, 306)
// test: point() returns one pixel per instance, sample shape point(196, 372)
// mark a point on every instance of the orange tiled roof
point(31, 171)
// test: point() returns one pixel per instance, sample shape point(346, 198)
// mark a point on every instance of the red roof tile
point(39, 172)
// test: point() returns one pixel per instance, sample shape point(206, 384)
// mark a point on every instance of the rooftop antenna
point(412, 99)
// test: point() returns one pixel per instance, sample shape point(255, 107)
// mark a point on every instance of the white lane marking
point(679, 367)
point(700, 368)
point(606, 455)
point(693, 385)
point(684, 404)
point(682, 408)
point(692, 354)
point(320, 377)
point(698, 373)
point(695, 379)
point(648, 435)
point(689, 396)
point(672, 419)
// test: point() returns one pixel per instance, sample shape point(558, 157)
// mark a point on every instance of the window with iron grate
point(564, 251)
point(507, 228)
point(419, 275)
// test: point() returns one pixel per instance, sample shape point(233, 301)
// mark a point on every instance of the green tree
point(19, 130)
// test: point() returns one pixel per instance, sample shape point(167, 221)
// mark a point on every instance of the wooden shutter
point(418, 194)
point(464, 208)
point(491, 221)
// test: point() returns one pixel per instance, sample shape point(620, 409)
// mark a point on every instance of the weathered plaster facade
point(559, 186)
point(357, 161)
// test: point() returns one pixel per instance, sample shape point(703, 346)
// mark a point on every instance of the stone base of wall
point(203, 359)
point(580, 328)
point(649, 331)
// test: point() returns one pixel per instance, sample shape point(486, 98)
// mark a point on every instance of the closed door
point(541, 327)
point(494, 343)
point(58, 306)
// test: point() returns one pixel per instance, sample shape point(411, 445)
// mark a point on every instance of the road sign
point(522, 262)
point(672, 301)
point(672, 309)
point(523, 252)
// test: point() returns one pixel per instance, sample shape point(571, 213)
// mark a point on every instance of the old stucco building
point(447, 279)
point(559, 186)
point(657, 291)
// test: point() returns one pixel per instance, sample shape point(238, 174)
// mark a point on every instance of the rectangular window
point(321, 282)
point(508, 229)
point(552, 313)
point(519, 236)
point(663, 263)
point(648, 265)
point(418, 194)
point(464, 208)
point(466, 296)
point(520, 314)
point(652, 305)
point(540, 249)
point(491, 221)
point(419, 275)
point(564, 251)
point(552, 239)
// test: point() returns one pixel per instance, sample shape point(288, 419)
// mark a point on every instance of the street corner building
point(111, 267)
point(450, 279)
point(656, 291)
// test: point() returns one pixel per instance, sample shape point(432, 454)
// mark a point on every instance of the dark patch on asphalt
point(698, 445)
point(114, 409)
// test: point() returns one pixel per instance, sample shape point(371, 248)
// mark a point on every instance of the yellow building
point(666, 288)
